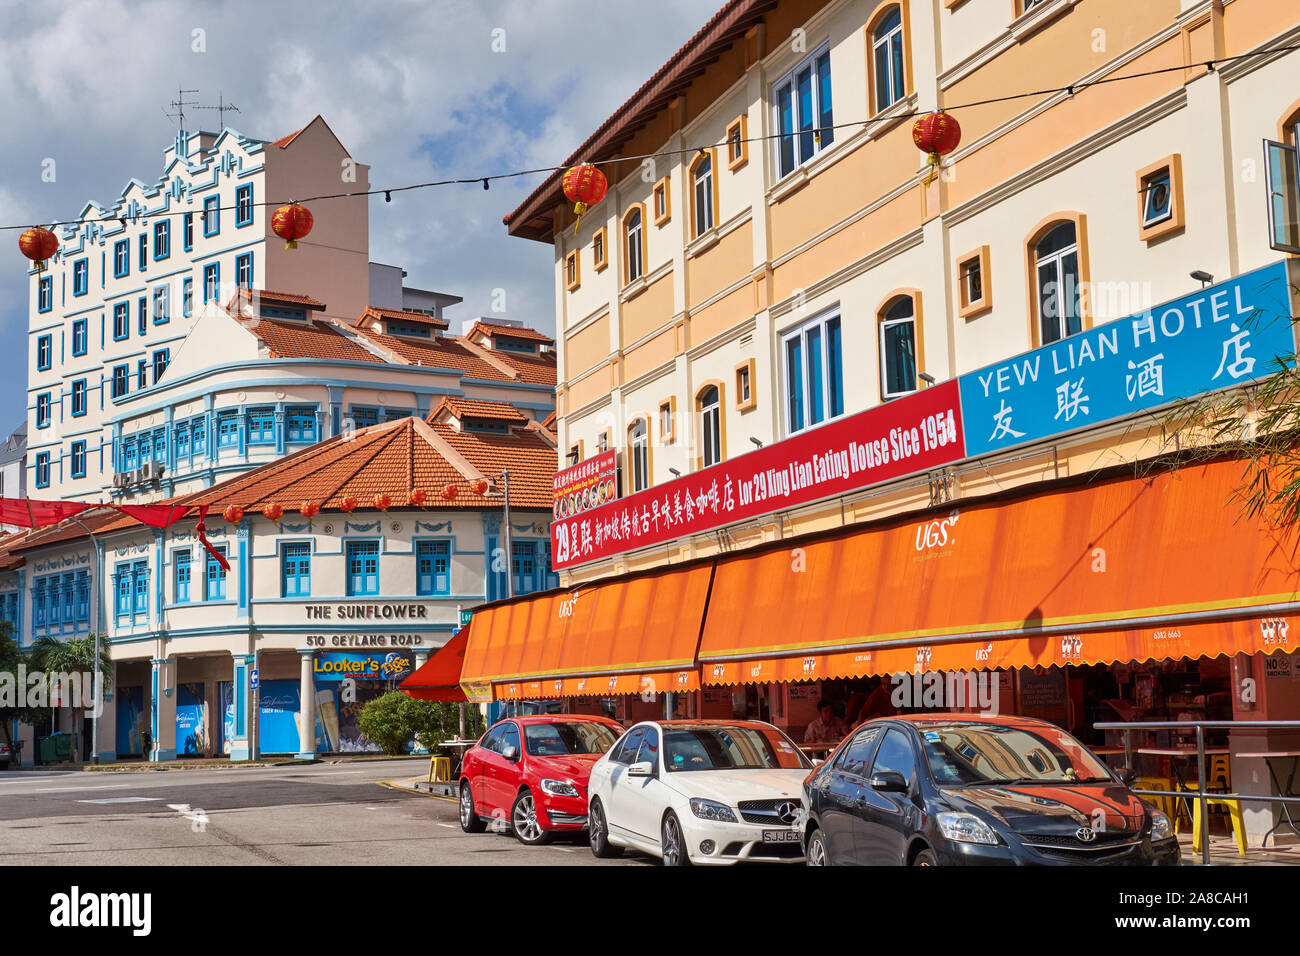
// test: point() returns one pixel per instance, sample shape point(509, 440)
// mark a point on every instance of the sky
point(418, 89)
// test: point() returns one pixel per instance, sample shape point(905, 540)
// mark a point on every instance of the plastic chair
point(439, 769)
point(1234, 812)
point(1167, 804)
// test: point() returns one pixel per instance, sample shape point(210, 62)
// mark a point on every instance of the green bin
point(62, 747)
point(46, 747)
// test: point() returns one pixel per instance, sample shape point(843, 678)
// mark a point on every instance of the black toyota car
point(966, 789)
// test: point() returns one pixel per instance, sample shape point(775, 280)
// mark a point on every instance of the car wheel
point(925, 858)
point(470, 821)
point(598, 833)
point(523, 817)
point(816, 852)
point(672, 844)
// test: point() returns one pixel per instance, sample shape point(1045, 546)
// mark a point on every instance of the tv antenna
point(179, 105)
point(222, 108)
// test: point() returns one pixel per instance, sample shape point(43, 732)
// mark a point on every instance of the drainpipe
point(98, 621)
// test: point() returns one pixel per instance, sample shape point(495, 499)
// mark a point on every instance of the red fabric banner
point(31, 513)
point(203, 539)
point(155, 516)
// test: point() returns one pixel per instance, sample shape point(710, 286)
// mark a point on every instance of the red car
point(532, 772)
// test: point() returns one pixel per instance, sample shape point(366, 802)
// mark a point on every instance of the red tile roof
point(532, 218)
point(440, 353)
point(510, 332)
point(284, 298)
point(374, 312)
point(477, 408)
point(282, 143)
point(532, 369)
point(308, 340)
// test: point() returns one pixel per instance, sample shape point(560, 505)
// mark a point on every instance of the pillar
point(306, 708)
point(106, 730)
point(162, 709)
point(243, 695)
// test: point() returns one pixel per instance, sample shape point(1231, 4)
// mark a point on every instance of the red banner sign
point(899, 438)
point(586, 485)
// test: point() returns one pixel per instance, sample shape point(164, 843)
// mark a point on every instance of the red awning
point(438, 678)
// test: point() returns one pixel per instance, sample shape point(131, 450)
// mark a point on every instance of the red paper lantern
point(936, 134)
point(272, 511)
point(38, 244)
point(449, 492)
point(584, 186)
point(480, 487)
point(309, 509)
point(291, 223)
point(418, 495)
point(383, 500)
point(349, 503)
point(233, 514)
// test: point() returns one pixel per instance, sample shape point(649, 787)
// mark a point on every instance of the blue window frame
point(295, 573)
point(121, 321)
point(43, 410)
point(79, 397)
point(300, 422)
point(199, 433)
point(160, 360)
point(814, 373)
point(78, 459)
point(128, 454)
point(363, 567)
point(162, 239)
point(121, 381)
point(144, 251)
point(180, 577)
point(261, 426)
point(42, 469)
point(44, 353)
point(433, 567)
point(211, 215)
point(44, 294)
point(211, 281)
point(523, 565)
point(364, 417)
point(122, 604)
point(79, 337)
point(244, 205)
point(187, 296)
point(83, 596)
point(80, 276)
point(162, 305)
point(244, 270)
point(187, 237)
point(142, 374)
point(159, 444)
point(140, 590)
point(227, 430)
point(121, 258)
point(214, 577)
point(183, 440)
point(142, 314)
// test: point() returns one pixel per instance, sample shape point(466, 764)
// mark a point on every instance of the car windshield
point(730, 748)
point(984, 754)
point(562, 738)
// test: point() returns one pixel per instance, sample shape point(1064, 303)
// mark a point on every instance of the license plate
point(780, 836)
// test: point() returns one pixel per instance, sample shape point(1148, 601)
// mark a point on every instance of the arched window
point(638, 442)
point(634, 244)
point(710, 405)
point(1056, 271)
point(887, 59)
point(703, 198)
point(898, 347)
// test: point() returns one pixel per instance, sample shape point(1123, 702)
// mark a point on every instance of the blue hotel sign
point(1231, 334)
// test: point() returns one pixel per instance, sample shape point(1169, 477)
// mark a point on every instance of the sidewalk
point(1223, 852)
point(204, 763)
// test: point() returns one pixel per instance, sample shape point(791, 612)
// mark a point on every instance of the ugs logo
point(809, 665)
point(582, 684)
point(936, 533)
point(566, 607)
point(982, 654)
point(1072, 647)
point(923, 655)
point(756, 670)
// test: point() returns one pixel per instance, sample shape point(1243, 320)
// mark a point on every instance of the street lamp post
point(505, 532)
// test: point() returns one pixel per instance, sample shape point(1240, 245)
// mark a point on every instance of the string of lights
point(387, 191)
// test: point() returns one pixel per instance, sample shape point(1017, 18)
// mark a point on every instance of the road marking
point(447, 825)
point(76, 789)
point(123, 800)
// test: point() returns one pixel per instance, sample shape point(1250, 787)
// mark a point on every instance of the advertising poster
point(350, 739)
point(130, 721)
point(226, 698)
point(388, 666)
point(191, 720)
point(278, 716)
point(587, 485)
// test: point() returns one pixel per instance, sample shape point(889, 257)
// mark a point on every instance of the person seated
point(826, 728)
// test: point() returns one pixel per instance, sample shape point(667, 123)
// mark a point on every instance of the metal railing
point(1203, 796)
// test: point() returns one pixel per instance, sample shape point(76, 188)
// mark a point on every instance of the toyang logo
point(1072, 647)
point(809, 665)
point(935, 534)
point(719, 670)
point(923, 655)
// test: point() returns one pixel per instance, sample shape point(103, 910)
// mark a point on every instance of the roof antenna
point(222, 109)
point(179, 105)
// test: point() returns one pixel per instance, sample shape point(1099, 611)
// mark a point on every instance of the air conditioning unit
point(150, 470)
point(121, 479)
point(158, 469)
point(137, 476)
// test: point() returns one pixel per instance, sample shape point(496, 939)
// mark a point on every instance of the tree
point(393, 720)
point(11, 657)
point(76, 655)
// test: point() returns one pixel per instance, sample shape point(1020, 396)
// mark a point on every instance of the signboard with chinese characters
point(586, 485)
point(1223, 336)
point(913, 434)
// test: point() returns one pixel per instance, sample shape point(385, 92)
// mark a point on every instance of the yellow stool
point(1234, 812)
point(439, 768)
point(1168, 804)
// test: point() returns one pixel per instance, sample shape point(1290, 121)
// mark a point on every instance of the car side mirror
point(889, 781)
point(643, 769)
point(511, 752)
point(1128, 776)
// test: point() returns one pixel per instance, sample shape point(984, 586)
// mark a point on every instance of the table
point(460, 758)
point(1269, 756)
point(818, 748)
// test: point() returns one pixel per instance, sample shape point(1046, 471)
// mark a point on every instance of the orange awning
point(614, 637)
point(1117, 570)
point(438, 678)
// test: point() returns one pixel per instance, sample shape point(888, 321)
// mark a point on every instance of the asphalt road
point(321, 814)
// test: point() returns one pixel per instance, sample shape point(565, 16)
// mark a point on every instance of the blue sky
point(412, 87)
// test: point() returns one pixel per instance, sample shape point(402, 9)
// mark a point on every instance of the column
point(162, 709)
point(306, 709)
point(420, 657)
point(239, 739)
point(106, 730)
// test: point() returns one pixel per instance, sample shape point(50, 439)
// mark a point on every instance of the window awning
point(438, 678)
point(630, 635)
point(1123, 569)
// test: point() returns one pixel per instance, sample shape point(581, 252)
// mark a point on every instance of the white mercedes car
point(699, 791)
